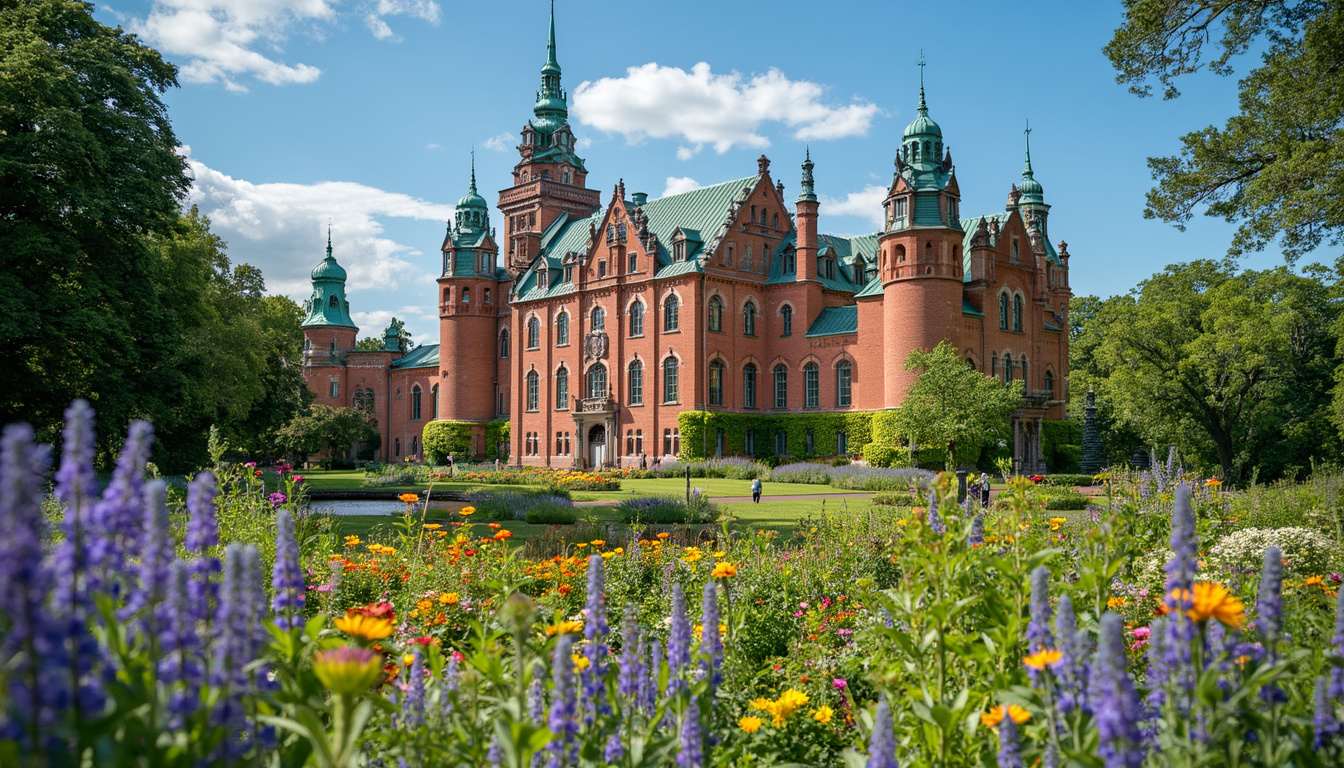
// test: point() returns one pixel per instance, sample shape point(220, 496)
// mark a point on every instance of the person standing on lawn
point(756, 491)
point(984, 489)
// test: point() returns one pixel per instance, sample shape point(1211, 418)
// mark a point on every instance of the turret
point(469, 299)
point(328, 332)
point(807, 224)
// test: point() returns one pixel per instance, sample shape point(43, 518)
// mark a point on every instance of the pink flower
point(1335, 577)
point(840, 683)
point(1143, 593)
point(1142, 633)
point(298, 479)
point(803, 605)
point(798, 615)
point(825, 603)
point(1138, 644)
point(250, 464)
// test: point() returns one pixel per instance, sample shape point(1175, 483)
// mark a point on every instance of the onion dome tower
point(469, 297)
point(328, 332)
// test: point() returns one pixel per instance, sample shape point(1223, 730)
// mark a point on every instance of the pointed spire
point(328, 241)
point(1027, 133)
point(923, 106)
point(552, 66)
point(807, 191)
point(473, 170)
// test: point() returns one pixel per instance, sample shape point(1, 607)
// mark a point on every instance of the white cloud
point(700, 107)
point(421, 321)
point(502, 142)
point(233, 41)
point(432, 145)
point(866, 203)
point(279, 228)
point(678, 184)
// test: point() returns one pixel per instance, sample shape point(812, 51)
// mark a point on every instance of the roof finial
point(1027, 132)
point(328, 241)
point(473, 169)
point(923, 107)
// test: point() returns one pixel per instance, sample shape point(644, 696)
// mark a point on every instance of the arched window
point(1050, 384)
point(994, 364)
point(1026, 382)
point(844, 379)
point(532, 389)
point(670, 392)
point(466, 295)
point(533, 333)
point(447, 295)
point(749, 319)
point(597, 381)
point(415, 403)
point(1003, 311)
point(635, 383)
point(781, 386)
point(774, 221)
point(434, 402)
point(811, 385)
point(671, 311)
point(562, 329)
point(637, 318)
point(359, 398)
point(599, 318)
point(786, 314)
point(487, 296)
point(334, 303)
point(1017, 313)
point(1007, 367)
point(368, 399)
point(716, 382)
point(504, 343)
point(561, 387)
point(841, 443)
point(749, 386)
point(715, 314)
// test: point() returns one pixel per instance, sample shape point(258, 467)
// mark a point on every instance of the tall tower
point(920, 251)
point(549, 179)
point(468, 302)
point(328, 331)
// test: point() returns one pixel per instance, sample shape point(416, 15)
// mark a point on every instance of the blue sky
point(300, 113)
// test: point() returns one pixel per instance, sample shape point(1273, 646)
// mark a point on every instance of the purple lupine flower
point(1050, 758)
point(1158, 675)
point(678, 640)
point(1071, 672)
point(448, 686)
point(495, 754)
point(413, 707)
point(648, 682)
point(1115, 704)
point(631, 662)
point(233, 650)
point(690, 750)
point(114, 522)
point(1181, 570)
point(536, 700)
point(615, 749)
point(1326, 727)
point(286, 576)
point(75, 489)
point(595, 631)
point(202, 535)
point(711, 645)
point(882, 745)
point(887, 619)
point(562, 720)
point(977, 536)
point(277, 499)
point(179, 668)
point(1010, 751)
point(1269, 603)
point(1183, 565)
point(156, 557)
point(1337, 647)
point(935, 520)
point(1038, 629)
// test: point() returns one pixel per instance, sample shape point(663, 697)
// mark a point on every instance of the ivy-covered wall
point(700, 428)
point(443, 438)
point(497, 438)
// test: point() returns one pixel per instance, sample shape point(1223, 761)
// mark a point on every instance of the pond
point(376, 506)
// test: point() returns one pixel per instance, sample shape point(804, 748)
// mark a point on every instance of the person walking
point(984, 489)
point(756, 491)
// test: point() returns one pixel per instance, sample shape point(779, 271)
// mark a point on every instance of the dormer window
point(900, 210)
point(542, 274)
point(569, 273)
point(564, 176)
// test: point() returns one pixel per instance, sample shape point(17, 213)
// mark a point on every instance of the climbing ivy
point(699, 430)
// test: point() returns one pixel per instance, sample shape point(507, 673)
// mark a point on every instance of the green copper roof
point(923, 125)
point(807, 190)
point(969, 309)
point(968, 228)
point(472, 199)
point(873, 288)
point(423, 356)
point(834, 321)
point(842, 247)
point(327, 305)
point(551, 108)
point(1032, 192)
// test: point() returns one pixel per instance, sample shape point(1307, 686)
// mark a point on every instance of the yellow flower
point(822, 714)
point(995, 716)
point(664, 535)
point(719, 555)
point(608, 555)
point(433, 526)
point(761, 703)
point(347, 670)
point(580, 662)
point(467, 511)
point(1042, 659)
point(619, 550)
point(352, 541)
point(692, 555)
point(1313, 581)
point(409, 498)
point(1115, 602)
point(564, 628)
point(450, 598)
point(598, 543)
point(749, 724)
point(1213, 601)
point(781, 709)
point(724, 570)
point(581, 545)
point(1212, 482)
point(408, 660)
point(699, 630)
point(365, 627)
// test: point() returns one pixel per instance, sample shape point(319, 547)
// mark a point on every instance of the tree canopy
point(954, 406)
point(323, 428)
point(1276, 167)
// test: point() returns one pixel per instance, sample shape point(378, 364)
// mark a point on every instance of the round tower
point(920, 258)
point(328, 332)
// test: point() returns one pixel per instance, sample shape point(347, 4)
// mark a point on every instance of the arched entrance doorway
point(597, 446)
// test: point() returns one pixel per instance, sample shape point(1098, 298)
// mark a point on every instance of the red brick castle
point(603, 323)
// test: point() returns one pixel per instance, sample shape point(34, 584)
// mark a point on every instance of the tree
point(953, 405)
point(1276, 167)
point(322, 428)
point(1233, 369)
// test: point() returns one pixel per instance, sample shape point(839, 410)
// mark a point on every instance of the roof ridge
point(706, 188)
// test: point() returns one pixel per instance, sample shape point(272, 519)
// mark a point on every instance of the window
point(1050, 385)
point(811, 387)
point(749, 442)
point(561, 387)
point(716, 382)
point(562, 329)
point(809, 441)
point(718, 443)
point(670, 394)
point(841, 444)
point(746, 259)
point(415, 403)
point(790, 261)
point(635, 382)
point(504, 343)
point(844, 378)
point(1017, 313)
point(335, 389)
point(1003, 312)
point(447, 295)
point(599, 317)
point(633, 266)
point(466, 295)
point(1025, 381)
point(781, 386)
point(359, 398)
point(602, 268)
point(728, 256)
point(1007, 368)
point(774, 221)
point(629, 442)
point(560, 443)
point(597, 381)
point(671, 441)
point(994, 364)
point(787, 315)
point(396, 446)
point(639, 442)
point(749, 319)
point(1017, 251)
point(749, 386)
point(637, 318)
point(533, 333)
point(334, 303)
point(487, 296)
point(531, 390)
point(368, 399)
point(671, 310)
point(569, 273)
point(715, 314)
point(434, 402)
point(781, 442)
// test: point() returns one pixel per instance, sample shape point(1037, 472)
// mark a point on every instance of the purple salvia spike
point(882, 745)
point(711, 645)
point(114, 525)
point(1038, 629)
point(690, 749)
point(678, 641)
point(1115, 704)
point(1010, 751)
point(286, 576)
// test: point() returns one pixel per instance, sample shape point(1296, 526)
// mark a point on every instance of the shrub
point(1065, 498)
point(1305, 552)
point(899, 499)
point(731, 467)
point(532, 506)
point(802, 472)
point(388, 475)
point(878, 479)
point(657, 510)
point(884, 455)
point(1068, 480)
point(442, 439)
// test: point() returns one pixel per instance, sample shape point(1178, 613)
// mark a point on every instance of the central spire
point(1027, 171)
point(923, 106)
point(550, 109)
point(552, 65)
point(473, 171)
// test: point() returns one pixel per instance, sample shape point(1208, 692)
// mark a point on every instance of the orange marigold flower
point(993, 717)
point(450, 598)
point(365, 627)
point(664, 535)
point(1042, 659)
point(564, 628)
point(502, 535)
point(1210, 600)
point(408, 498)
point(1313, 581)
point(1212, 482)
point(723, 570)
point(433, 526)
point(749, 724)
point(467, 511)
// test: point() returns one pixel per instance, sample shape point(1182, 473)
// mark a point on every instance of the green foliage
point(882, 455)
point(699, 429)
point(898, 499)
point(497, 439)
point(551, 514)
point(1065, 498)
point(1061, 444)
point(1068, 480)
point(1278, 178)
point(442, 438)
point(323, 428)
point(667, 510)
point(953, 406)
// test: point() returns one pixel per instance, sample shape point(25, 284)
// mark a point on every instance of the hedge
point(497, 435)
point(699, 428)
point(1062, 444)
point(442, 439)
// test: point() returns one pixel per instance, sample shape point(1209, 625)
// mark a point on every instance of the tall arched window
point(1003, 311)
point(749, 386)
point(415, 403)
point(335, 303)
point(1017, 313)
point(844, 379)
point(781, 386)
point(637, 318)
point(635, 383)
point(671, 311)
point(715, 314)
point(786, 314)
point(359, 398)
point(1026, 382)
point(562, 387)
point(597, 381)
point(504, 343)
point(716, 382)
point(562, 329)
point(533, 333)
point(811, 385)
point(368, 400)
point(749, 319)
point(434, 402)
point(599, 319)
point(1007, 367)
point(532, 390)
point(670, 392)
point(1050, 384)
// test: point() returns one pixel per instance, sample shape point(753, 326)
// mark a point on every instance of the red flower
point(376, 610)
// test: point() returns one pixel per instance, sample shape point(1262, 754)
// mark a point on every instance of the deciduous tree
point(953, 405)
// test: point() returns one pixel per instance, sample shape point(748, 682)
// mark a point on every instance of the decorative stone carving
point(1094, 448)
point(595, 346)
